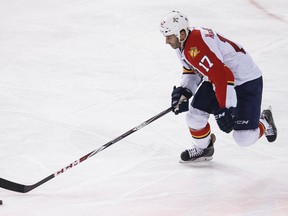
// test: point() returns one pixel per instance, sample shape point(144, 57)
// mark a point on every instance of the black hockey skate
point(198, 154)
point(271, 131)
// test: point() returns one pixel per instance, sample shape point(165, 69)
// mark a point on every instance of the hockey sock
point(262, 129)
point(202, 136)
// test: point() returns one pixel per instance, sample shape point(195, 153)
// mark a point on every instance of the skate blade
point(197, 160)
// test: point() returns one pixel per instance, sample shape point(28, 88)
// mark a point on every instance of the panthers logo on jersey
point(194, 52)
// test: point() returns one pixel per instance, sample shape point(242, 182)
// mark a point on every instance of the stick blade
point(12, 186)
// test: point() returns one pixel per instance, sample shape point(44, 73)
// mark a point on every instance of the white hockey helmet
point(173, 23)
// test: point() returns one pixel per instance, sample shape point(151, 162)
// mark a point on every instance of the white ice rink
point(75, 74)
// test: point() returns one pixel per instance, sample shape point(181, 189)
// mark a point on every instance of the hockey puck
point(1, 202)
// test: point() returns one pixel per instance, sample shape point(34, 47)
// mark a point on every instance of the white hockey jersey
point(222, 62)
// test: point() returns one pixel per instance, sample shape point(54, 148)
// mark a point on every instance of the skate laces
point(267, 115)
point(194, 152)
point(269, 131)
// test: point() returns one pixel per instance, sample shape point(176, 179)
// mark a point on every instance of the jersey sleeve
point(190, 76)
point(190, 79)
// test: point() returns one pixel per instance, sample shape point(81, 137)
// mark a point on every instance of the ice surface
point(75, 74)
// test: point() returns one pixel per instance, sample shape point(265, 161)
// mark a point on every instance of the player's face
point(173, 41)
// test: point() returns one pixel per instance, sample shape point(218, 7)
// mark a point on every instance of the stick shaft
point(21, 188)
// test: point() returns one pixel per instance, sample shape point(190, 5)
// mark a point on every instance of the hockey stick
point(21, 188)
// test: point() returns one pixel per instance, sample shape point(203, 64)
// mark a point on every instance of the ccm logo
point(242, 122)
point(219, 115)
point(67, 167)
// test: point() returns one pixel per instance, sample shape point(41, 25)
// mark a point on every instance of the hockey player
point(225, 82)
